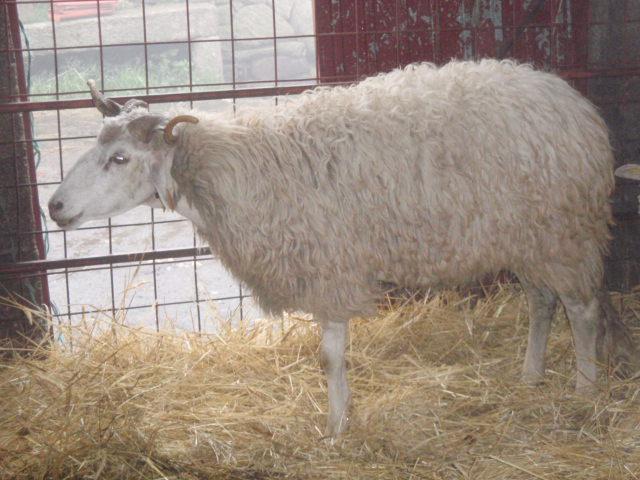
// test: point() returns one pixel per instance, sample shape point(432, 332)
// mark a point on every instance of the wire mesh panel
point(144, 49)
point(220, 55)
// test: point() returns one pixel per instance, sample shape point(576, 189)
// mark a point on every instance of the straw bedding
point(436, 395)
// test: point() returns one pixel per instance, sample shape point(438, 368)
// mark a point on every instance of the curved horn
point(169, 137)
point(106, 106)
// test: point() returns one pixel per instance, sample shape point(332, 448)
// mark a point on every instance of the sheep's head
point(128, 166)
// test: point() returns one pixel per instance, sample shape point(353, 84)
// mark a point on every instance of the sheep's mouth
point(69, 223)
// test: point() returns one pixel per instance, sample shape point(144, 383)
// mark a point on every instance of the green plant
point(127, 79)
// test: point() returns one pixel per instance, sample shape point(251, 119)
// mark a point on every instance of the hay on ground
point(436, 395)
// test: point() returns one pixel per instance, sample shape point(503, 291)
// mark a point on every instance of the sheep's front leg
point(542, 307)
point(332, 351)
point(583, 317)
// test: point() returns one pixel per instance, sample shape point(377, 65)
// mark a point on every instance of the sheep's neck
point(189, 212)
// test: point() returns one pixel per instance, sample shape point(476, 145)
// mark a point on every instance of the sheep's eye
point(118, 158)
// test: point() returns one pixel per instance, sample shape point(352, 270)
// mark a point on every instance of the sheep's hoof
point(532, 379)
point(336, 427)
point(586, 389)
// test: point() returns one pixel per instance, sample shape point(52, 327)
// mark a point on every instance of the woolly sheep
point(422, 177)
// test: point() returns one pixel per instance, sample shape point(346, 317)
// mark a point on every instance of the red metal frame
point(35, 266)
point(12, 14)
point(159, 98)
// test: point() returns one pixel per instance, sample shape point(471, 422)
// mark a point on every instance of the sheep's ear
point(160, 174)
point(630, 170)
point(142, 128)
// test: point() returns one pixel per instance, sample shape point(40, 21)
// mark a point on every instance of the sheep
point(423, 177)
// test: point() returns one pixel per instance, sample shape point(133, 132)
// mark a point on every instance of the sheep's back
point(423, 176)
point(444, 174)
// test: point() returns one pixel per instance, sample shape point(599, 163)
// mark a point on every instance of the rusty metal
point(113, 259)
point(16, 107)
point(12, 12)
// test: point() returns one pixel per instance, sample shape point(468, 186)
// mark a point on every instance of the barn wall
point(362, 37)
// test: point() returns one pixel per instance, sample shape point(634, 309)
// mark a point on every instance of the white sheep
point(422, 177)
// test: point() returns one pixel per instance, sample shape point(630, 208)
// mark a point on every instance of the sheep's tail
point(615, 341)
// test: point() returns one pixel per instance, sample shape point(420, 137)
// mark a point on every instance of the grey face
point(114, 175)
point(129, 165)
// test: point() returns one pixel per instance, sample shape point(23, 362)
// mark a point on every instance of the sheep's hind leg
point(542, 306)
point(332, 356)
point(615, 340)
point(583, 317)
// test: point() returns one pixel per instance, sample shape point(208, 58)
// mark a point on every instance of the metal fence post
point(19, 205)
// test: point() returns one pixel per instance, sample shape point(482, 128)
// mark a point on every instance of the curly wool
point(422, 177)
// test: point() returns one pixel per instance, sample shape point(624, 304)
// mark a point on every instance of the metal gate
point(217, 55)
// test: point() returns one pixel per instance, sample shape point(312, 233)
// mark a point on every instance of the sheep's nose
point(55, 207)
